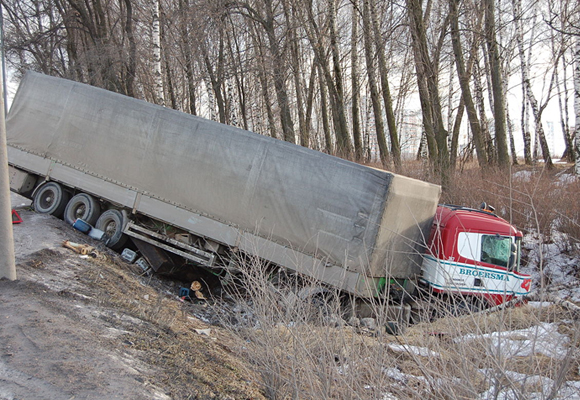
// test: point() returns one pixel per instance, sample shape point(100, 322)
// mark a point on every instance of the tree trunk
point(333, 83)
point(356, 131)
point(263, 78)
point(577, 105)
point(169, 79)
point(310, 101)
point(538, 122)
point(344, 147)
point(216, 78)
point(490, 149)
point(324, 111)
point(568, 154)
point(188, 67)
point(455, 134)
point(466, 96)
point(375, 97)
point(130, 68)
point(517, 13)
point(537, 110)
point(235, 51)
point(497, 86)
point(428, 92)
point(420, 51)
point(511, 138)
point(387, 99)
point(279, 70)
point(297, 74)
point(159, 97)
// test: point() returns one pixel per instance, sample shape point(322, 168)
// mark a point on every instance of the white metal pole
point(7, 261)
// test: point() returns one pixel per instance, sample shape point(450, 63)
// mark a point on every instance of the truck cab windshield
point(499, 250)
point(503, 251)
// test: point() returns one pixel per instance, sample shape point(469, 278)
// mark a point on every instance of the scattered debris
point(144, 265)
point(129, 255)
point(82, 249)
point(195, 288)
point(88, 229)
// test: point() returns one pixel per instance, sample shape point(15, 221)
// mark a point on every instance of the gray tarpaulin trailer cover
point(369, 221)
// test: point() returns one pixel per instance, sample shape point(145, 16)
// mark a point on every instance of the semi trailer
point(192, 191)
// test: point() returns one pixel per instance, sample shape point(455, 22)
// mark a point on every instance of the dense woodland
point(340, 76)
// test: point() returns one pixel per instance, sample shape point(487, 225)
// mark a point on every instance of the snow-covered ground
point(558, 260)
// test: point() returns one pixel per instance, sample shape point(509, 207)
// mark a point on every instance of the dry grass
point(532, 198)
point(303, 356)
point(306, 357)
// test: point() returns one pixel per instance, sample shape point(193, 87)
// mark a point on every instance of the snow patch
point(524, 176)
point(518, 382)
point(540, 339)
point(418, 351)
point(557, 261)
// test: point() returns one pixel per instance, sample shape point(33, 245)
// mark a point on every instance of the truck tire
point(51, 198)
point(112, 223)
point(83, 206)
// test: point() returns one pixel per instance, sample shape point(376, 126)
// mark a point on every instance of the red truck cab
point(474, 252)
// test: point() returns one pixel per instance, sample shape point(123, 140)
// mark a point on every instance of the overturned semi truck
point(183, 187)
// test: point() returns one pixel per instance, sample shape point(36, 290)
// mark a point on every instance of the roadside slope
point(95, 328)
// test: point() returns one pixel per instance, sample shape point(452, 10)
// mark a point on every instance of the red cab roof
point(473, 220)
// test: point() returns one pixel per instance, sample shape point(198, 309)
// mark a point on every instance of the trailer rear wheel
point(83, 206)
point(51, 198)
point(112, 222)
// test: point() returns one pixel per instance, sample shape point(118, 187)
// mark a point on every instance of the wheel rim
point(110, 228)
point(48, 200)
point(79, 212)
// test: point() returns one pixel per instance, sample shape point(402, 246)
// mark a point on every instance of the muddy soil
point(77, 327)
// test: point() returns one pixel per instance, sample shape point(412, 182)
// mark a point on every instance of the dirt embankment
point(96, 328)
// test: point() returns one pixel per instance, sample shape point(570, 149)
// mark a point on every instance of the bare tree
point(385, 86)
point(497, 85)
point(265, 14)
point(131, 64)
point(320, 27)
point(36, 36)
point(264, 84)
point(426, 70)
point(577, 104)
point(563, 101)
point(373, 84)
point(355, 85)
point(158, 92)
point(564, 18)
point(524, 70)
point(464, 77)
point(184, 20)
point(292, 69)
